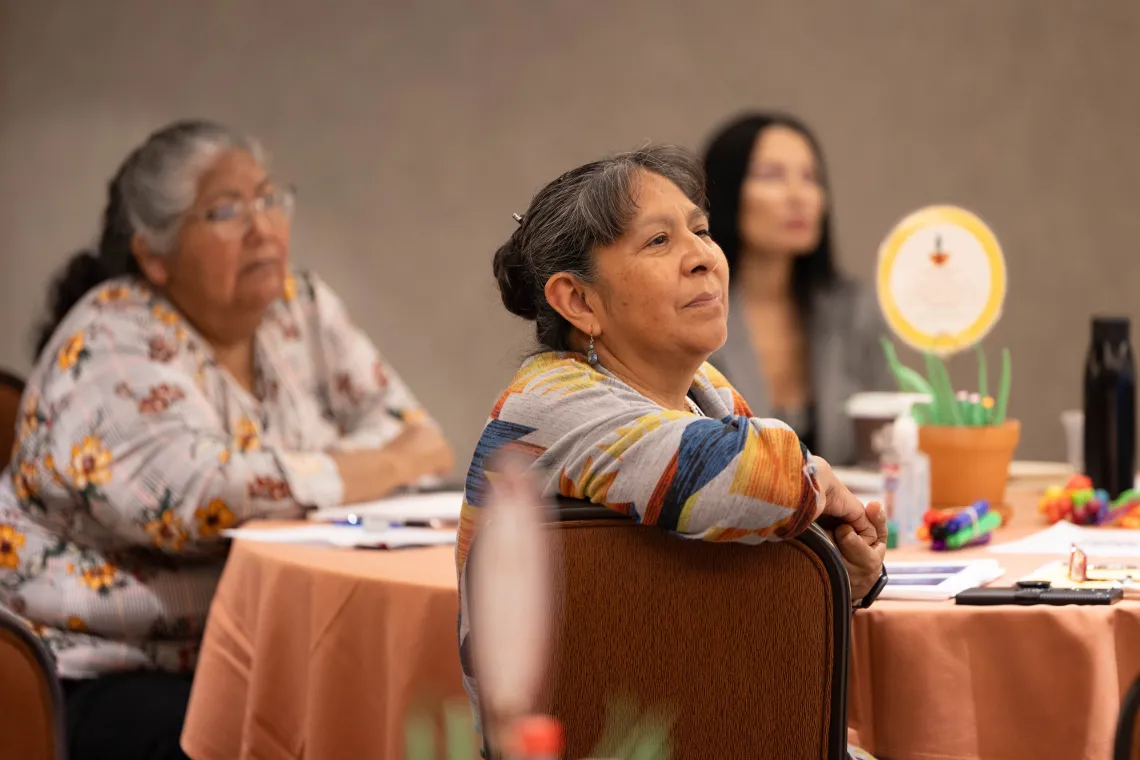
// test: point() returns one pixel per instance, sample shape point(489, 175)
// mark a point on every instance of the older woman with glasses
point(187, 382)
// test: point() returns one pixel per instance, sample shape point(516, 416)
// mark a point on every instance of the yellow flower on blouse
point(90, 463)
point(170, 318)
point(214, 518)
point(29, 415)
point(100, 577)
point(49, 467)
point(413, 416)
point(167, 531)
point(248, 437)
point(69, 353)
point(24, 480)
point(10, 542)
point(75, 623)
point(164, 315)
point(289, 291)
point(111, 293)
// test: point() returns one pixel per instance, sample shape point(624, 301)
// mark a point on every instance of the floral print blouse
point(135, 450)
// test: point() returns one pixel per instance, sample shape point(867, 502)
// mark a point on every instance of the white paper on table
point(346, 536)
point(1060, 537)
point(440, 505)
point(938, 578)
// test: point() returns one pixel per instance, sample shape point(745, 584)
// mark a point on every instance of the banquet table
point(935, 681)
point(321, 653)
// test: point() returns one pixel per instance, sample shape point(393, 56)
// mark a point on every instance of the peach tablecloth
point(319, 653)
point(934, 681)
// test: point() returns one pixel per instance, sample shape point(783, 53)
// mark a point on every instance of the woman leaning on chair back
point(614, 263)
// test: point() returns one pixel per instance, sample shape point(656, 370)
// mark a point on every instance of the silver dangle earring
point(591, 354)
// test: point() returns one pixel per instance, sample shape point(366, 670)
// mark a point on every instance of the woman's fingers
point(877, 516)
point(857, 551)
point(870, 523)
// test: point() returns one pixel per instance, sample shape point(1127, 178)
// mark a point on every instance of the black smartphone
point(1033, 594)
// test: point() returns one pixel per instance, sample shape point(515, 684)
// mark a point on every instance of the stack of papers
point(1060, 537)
point(938, 579)
point(440, 509)
point(1057, 573)
point(1123, 577)
point(345, 536)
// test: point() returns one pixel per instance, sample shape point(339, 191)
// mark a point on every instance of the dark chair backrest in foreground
point(11, 389)
point(31, 699)
point(744, 646)
point(1127, 746)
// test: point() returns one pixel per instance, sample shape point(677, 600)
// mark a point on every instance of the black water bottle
point(1110, 407)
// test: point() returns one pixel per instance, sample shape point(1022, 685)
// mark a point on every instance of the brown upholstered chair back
point(11, 389)
point(31, 700)
point(745, 646)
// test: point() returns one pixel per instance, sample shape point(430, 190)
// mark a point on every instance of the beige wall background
point(413, 130)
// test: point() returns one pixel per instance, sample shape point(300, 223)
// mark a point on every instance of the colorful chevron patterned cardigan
point(726, 476)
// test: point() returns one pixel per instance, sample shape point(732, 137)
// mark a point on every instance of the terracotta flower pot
point(968, 463)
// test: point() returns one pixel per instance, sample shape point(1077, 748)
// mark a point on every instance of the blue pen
point(357, 521)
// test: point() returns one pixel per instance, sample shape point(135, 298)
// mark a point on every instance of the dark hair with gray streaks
point(152, 190)
point(585, 209)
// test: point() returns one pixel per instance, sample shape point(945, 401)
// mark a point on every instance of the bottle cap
point(904, 435)
point(537, 736)
point(1110, 329)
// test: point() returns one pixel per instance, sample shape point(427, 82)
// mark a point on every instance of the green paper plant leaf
point(1003, 388)
point(947, 408)
point(909, 381)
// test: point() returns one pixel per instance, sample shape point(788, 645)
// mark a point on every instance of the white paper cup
point(869, 412)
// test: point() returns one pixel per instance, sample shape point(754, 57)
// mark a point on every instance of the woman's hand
point(424, 449)
point(864, 561)
point(369, 474)
point(840, 503)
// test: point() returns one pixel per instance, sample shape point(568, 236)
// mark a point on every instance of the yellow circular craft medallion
point(941, 279)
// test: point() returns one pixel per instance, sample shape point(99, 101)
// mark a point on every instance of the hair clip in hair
point(517, 218)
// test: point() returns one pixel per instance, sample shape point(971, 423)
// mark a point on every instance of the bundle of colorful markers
point(1078, 502)
point(947, 530)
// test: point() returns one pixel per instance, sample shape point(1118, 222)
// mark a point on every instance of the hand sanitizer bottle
point(909, 494)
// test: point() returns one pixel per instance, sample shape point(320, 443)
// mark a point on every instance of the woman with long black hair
point(801, 337)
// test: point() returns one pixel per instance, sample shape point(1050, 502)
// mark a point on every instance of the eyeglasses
point(234, 218)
